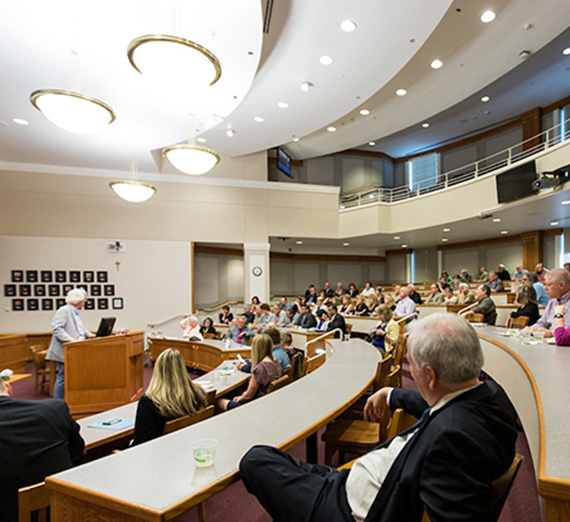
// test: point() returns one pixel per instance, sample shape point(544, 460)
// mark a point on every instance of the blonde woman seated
point(373, 302)
point(191, 329)
point(361, 308)
point(170, 394)
point(265, 370)
point(528, 305)
point(387, 330)
point(346, 307)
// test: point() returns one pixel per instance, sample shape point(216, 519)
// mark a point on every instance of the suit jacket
point(447, 467)
point(337, 321)
point(37, 439)
point(306, 321)
point(64, 329)
point(234, 330)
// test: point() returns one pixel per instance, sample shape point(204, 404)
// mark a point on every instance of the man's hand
point(374, 407)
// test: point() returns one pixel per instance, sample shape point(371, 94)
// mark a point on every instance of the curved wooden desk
point(158, 481)
point(204, 356)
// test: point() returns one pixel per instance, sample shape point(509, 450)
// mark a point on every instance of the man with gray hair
point(529, 278)
point(557, 284)
point(443, 465)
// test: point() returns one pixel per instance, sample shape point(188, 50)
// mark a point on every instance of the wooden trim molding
point(399, 252)
point(367, 154)
point(480, 243)
point(220, 251)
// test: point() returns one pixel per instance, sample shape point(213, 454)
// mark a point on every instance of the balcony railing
point(524, 150)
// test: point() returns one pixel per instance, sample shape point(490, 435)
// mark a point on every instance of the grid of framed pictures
point(45, 290)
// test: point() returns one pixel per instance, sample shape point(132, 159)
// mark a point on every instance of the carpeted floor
point(235, 504)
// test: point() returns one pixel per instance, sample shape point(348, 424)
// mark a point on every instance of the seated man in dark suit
point(306, 319)
point(443, 465)
point(37, 439)
point(336, 320)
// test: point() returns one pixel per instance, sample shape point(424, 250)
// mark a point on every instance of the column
point(256, 267)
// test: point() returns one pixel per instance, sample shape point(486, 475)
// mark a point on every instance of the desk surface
point(158, 480)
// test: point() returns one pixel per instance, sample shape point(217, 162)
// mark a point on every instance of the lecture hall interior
point(281, 144)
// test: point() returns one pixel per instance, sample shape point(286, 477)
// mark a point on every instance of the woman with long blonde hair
point(265, 369)
point(170, 394)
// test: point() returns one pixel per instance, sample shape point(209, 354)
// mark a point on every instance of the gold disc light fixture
point(173, 56)
point(191, 159)
point(132, 190)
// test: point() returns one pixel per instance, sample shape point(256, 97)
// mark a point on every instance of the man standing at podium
point(66, 327)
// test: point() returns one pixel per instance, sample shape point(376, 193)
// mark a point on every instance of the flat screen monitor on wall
point(283, 162)
point(516, 183)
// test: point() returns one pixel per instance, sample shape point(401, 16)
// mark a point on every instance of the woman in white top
point(191, 329)
point(368, 289)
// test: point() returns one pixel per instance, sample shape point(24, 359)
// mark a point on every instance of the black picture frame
point(89, 304)
point(31, 276)
point(109, 290)
point(67, 288)
point(9, 290)
point(17, 276)
point(85, 288)
point(32, 305)
point(39, 290)
point(25, 290)
point(89, 276)
point(102, 303)
point(59, 302)
point(47, 305)
point(17, 305)
point(102, 277)
point(74, 276)
point(95, 290)
point(117, 303)
point(60, 276)
point(54, 290)
point(47, 276)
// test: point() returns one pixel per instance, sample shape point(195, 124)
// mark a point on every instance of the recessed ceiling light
point(305, 86)
point(283, 105)
point(364, 112)
point(201, 140)
point(20, 121)
point(554, 223)
point(258, 119)
point(346, 244)
point(396, 238)
point(230, 132)
point(447, 229)
point(404, 246)
point(372, 143)
point(485, 99)
point(496, 220)
point(331, 129)
point(566, 51)
point(325, 60)
point(436, 64)
point(504, 232)
point(488, 16)
point(295, 139)
point(401, 92)
point(444, 240)
point(567, 202)
point(348, 26)
point(425, 125)
point(299, 242)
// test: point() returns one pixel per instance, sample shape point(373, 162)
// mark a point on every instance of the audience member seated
point(336, 320)
point(372, 302)
point(397, 297)
point(528, 306)
point(567, 267)
point(406, 306)
point(413, 295)
point(386, 331)
point(241, 332)
point(446, 277)
point(319, 305)
point(226, 316)
point(280, 315)
point(297, 305)
point(311, 295)
point(287, 345)
point(329, 292)
point(352, 290)
point(557, 284)
point(361, 310)
point(495, 284)
point(444, 465)
point(436, 297)
point(465, 276)
point(368, 289)
point(482, 275)
point(284, 304)
point(191, 329)
point(170, 394)
point(290, 317)
point(264, 316)
point(255, 304)
point(529, 278)
point(323, 322)
point(339, 290)
point(249, 315)
point(306, 319)
point(265, 370)
point(485, 305)
point(503, 273)
point(517, 278)
point(208, 327)
point(541, 272)
point(389, 300)
point(561, 333)
point(278, 352)
point(456, 282)
point(37, 439)
point(347, 307)
point(465, 296)
point(448, 297)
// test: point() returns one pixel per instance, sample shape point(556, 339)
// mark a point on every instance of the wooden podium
point(103, 372)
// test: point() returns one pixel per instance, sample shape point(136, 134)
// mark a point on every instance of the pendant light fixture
point(132, 190)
